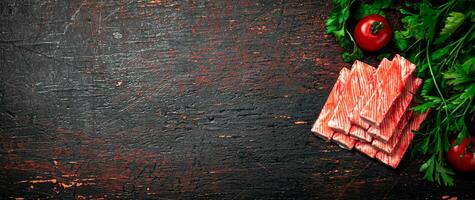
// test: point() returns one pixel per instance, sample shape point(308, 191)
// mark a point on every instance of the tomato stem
point(376, 27)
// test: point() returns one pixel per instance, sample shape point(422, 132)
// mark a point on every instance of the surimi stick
point(320, 127)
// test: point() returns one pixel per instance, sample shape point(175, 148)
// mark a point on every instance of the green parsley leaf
point(336, 25)
point(463, 134)
point(427, 87)
point(400, 40)
point(452, 23)
point(469, 65)
point(423, 107)
point(440, 53)
point(444, 174)
point(428, 168)
point(364, 10)
point(469, 92)
point(382, 4)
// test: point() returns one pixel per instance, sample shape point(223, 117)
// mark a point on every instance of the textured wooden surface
point(178, 99)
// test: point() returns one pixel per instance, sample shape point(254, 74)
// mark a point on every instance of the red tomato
point(462, 156)
point(373, 32)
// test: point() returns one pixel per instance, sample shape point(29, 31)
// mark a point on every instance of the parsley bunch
point(440, 40)
point(442, 45)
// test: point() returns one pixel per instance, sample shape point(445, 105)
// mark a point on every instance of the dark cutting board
point(178, 99)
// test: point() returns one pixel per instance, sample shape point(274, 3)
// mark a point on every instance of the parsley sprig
point(337, 26)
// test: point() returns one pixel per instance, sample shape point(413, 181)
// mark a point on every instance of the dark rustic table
point(139, 99)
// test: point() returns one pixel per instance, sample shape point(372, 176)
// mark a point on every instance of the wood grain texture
point(134, 99)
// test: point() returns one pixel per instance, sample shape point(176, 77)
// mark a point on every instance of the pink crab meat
point(389, 146)
point(360, 134)
point(366, 148)
point(390, 82)
point(396, 156)
point(388, 126)
point(320, 127)
point(344, 140)
point(353, 89)
point(368, 78)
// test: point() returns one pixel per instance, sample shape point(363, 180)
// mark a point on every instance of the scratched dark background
point(178, 99)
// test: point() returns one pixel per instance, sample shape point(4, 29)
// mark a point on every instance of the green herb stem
point(433, 79)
